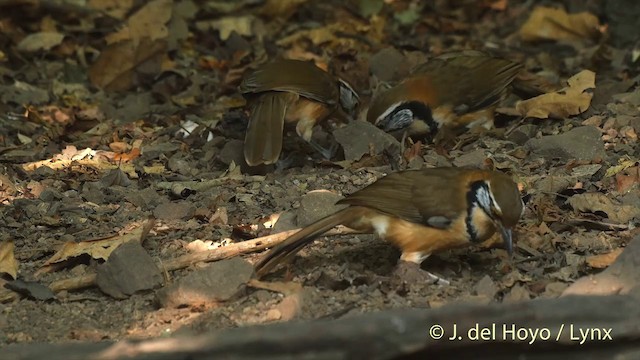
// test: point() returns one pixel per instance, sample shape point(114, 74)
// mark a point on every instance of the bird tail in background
point(303, 237)
point(263, 140)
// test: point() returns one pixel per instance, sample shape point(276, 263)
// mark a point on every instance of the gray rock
point(317, 204)
point(474, 159)
point(523, 133)
point(219, 281)
point(174, 211)
point(128, 270)
point(389, 64)
point(581, 143)
point(286, 221)
point(358, 137)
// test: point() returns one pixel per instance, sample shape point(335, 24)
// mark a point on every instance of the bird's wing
point(429, 196)
point(472, 81)
point(301, 77)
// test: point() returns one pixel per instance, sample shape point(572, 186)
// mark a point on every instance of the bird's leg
point(326, 153)
point(304, 128)
point(408, 269)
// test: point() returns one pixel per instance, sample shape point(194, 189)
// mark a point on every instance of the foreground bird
point(448, 92)
point(421, 212)
point(295, 92)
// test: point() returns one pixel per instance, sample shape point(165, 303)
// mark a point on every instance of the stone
point(581, 143)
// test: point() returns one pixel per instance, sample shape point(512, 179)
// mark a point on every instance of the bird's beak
point(507, 238)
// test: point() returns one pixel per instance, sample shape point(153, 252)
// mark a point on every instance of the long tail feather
point(303, 237)
point(263, 140)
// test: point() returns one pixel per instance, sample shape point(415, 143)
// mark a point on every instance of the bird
point(450, 92)
point(294, 92)
point(421, 212)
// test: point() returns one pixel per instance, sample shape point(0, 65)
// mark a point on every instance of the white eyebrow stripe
point(389, 110)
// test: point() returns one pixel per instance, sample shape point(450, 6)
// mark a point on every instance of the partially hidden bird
point(421, 212)
point(292, 92)
point(450, 92)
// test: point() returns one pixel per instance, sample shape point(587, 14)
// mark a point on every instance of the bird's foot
point(327, 153)
point(410, 272)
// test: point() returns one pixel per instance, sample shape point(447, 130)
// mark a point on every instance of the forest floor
point(112, 131)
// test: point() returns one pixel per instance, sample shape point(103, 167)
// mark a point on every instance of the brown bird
point(421, 212)
point(451, 91)
point(294, 92)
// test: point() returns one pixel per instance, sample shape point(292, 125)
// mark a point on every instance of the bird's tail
point(263, 140)
point(303, 237)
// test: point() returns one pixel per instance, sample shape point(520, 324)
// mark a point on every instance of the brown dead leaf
point(624, 182)
point(547, 23)
point(242, 25)
point(498, 5)
point(97, 249)
point(283, 9)
point(593, 202)
point(328, 35)
point(114, 68)
point(8, 263)
point(148, 22)
point(117, 9)
point(40, 41)
point(128, 157)
point(119, 146)
point(571, 100)
point(602, 261)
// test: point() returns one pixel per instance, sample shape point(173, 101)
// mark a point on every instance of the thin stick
point(184, 261)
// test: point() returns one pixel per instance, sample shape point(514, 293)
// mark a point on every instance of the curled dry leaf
point(547, 23)
point(8, 263)
point(602, 261)
point(242, 25)
point(40, 41)
point(98, 249)
point(148, 22)
point(571, 100)
point(282, 9)
point(593, 202)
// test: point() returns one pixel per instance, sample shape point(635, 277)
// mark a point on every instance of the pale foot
point(410, 272)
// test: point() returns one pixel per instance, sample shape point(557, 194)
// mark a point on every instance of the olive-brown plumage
point(421, 212)
point(294, 92)
point(452, 91)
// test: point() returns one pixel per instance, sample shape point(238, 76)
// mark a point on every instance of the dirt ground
point(89, 154)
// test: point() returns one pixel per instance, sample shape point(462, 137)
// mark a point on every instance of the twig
point(184, 261)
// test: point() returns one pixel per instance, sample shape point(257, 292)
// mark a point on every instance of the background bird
point(294, 92)
point(451, 91)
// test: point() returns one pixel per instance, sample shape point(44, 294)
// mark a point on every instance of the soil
point(558, 240)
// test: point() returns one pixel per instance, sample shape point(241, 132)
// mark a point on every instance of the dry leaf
point(242, 25)
point(626, 182)
point(148, 22)
point(546, 23)
point(623, 164)
point(602, 261)
point(572, 100)
point(98, 249)
point(282, 9)
point(498, 5)
point(115, 8)
point(40, 41)
point(114, 68)
point(593, 202)
point(8, 263)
